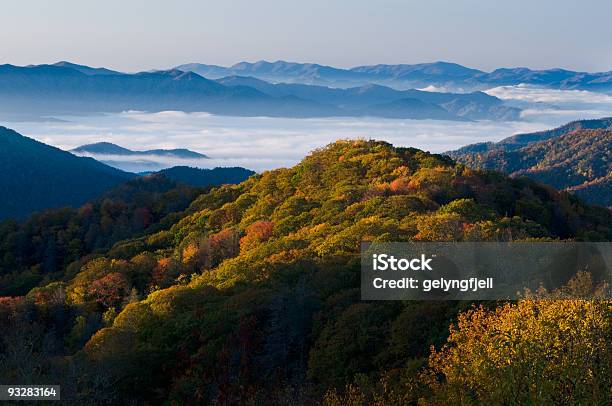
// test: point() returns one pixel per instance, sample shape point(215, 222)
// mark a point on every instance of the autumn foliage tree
point(259, 231)
point(530, 352)
point(109, 290)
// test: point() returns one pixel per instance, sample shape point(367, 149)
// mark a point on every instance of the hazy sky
point(138, 34)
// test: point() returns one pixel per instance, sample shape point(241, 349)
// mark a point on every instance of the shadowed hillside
point(35, 176)
point(206, 177)
point(42, 248)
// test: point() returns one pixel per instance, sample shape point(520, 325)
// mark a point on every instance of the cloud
point(147, 162)
point(261, 143)
point(445, 89)
point(536, 94)
point(554, 106)
point(257, 143)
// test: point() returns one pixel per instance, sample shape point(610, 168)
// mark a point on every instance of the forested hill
point(580, 161)
point(252, 294)
point(576, 157)
point(34, 176)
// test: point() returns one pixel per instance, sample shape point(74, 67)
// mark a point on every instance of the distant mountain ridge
point(367, 99)
point(405, 76)
point(107, 148)
point(409, 108)
point(86, 69)
point(50, 89)
point(66, 88)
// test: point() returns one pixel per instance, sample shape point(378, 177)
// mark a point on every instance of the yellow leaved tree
point(536, 351)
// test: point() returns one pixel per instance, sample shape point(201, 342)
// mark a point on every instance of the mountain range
point(65, 88)
point(50, 89)
point(576, 157)
point(404, 76)
point(377, 100)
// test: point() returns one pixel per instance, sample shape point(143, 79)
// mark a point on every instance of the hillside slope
point(41, 248)
point(252, 295)
point(576, 157)
point(278, 257)
point(34, 176)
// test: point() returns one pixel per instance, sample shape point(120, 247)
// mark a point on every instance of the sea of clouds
point(554, 106)
point(262, 143)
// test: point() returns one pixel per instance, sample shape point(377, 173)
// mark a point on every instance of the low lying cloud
point(444, 89)
point(146, 162)
point(554, 106)
point(560, 98)
point(261, 143)
point(256, 143)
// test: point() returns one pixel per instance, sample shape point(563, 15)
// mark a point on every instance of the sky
point(135, 35)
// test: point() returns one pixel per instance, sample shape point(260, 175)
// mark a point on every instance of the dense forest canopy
point(251, 294)
point(43, 247)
